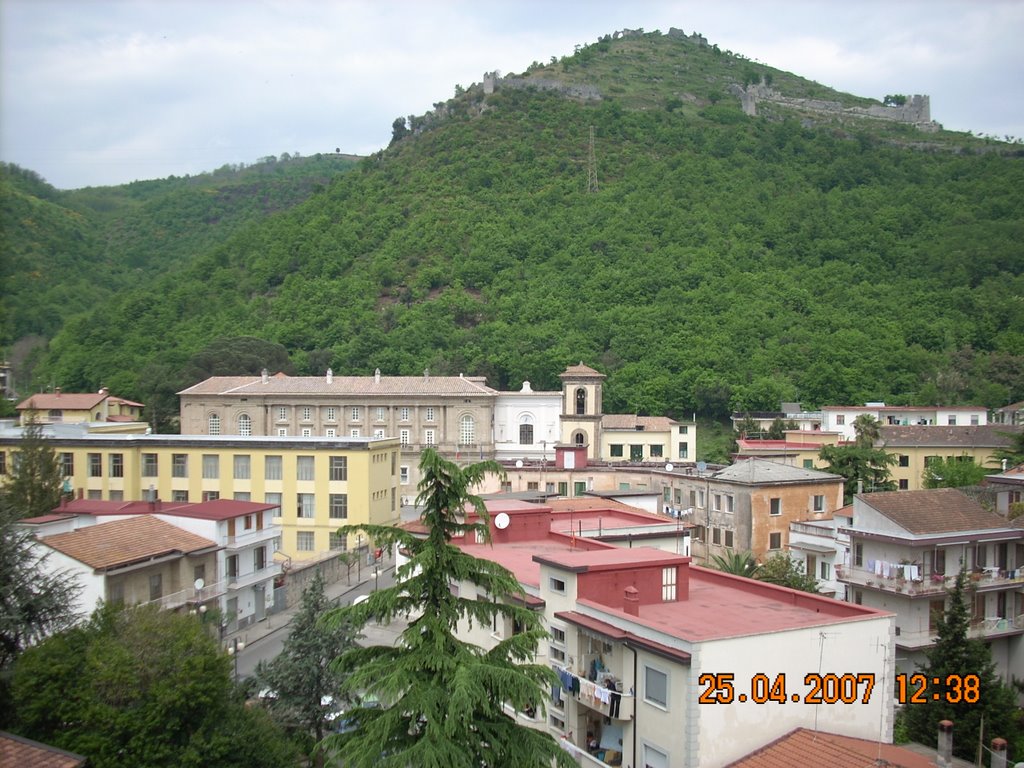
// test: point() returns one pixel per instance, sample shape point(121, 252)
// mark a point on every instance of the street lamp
point(234, 649)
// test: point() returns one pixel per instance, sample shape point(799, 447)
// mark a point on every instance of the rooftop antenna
point(591, 165)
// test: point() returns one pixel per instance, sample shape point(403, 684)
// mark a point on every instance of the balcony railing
point(624, 709)
point(189, 596)
point(242, 580)
point(252, 537)
point(931, 584)
point(982, 629)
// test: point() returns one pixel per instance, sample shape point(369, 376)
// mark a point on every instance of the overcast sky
point(96, 92)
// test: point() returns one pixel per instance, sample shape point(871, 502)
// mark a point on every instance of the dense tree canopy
point(142, 687)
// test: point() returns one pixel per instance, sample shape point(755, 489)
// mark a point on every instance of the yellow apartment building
point(916, 446)
point(319, 484)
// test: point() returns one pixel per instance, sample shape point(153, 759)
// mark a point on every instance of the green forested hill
point(724, 261)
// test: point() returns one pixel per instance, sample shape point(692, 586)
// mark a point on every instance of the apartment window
point(716, 502)
point(526, 434)
point(339, 468)
point(331, 414)
point(275, 499)
point(211, 495)
point(825, 571)
point(655, 687)
point(304, 468)
point(307, 413)
point(304, 541)
point(700, 499)
point(330, 432)
point(241, 496)
point(95, 465)
point(974, 420)
point(729, 503)
point(3, 462)
point(558, 635)
point(282, 432)
point(506, 486)
point(307, 431)
point(381, 413)
point(654, 758)
point(355, 414)
point(353, 433)
point(728, 538)
point(67, 464)
point(339, 506)
point(716, 536)
point(403, 437)
point(636, 453)
point(904, 484)
point(467, 430)
point(213, 424)
point(668, 584)
point(337, 541)
point(272, 468)
point(306, 504)
point(684, 451)
point(117, 495)
point(818, 503)
point(179, 496)
point(808, 463)
point(951, 420)
point(930, 460)
point(117, 465)
point(378, 434)
point(56, 415)
point(904, 460)
point(429, 437)
point(428, 414)
point(858, 555)
point(282, 413)
point(211, 466)
point(656, 451)
point(684, 430)
point(259, 558)
point(775, 506)
point(232, 566)
point(556, 585)
point(245, 425)
point(179, 465)
point(840, 419)
point(563, 488)
point(242, 468)
point(149, 465)
point(775, 540)
point(403, 414)
point(156, 586)
point(616, 450)
point(403, 475)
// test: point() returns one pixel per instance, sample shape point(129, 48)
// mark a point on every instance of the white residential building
point(840, 418)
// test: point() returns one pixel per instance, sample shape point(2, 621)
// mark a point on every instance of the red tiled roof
point(19, 752)
point(827, 750)
point(69, 401)
point(629, 421)
point(579, 370)
point(106, 507)
point(220, 509)
point(938, 510)
point(614, 633)
point(121, 542)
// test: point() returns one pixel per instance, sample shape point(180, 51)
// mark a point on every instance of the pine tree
point(443, 698)
point(34, 485)
point(301, 677)
point(954, 656)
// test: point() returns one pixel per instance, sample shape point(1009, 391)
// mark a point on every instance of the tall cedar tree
point(34, 484)
point(302, 677)
point(954, 656)
point(142, 687)
point(444, 699)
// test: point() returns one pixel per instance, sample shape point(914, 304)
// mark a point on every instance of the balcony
point(241, 580)
point(255, 536)
point(588, 699)
point(989, 579)
point(189, 596)
point(981, 629)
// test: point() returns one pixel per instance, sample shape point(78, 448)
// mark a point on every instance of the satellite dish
point(199, 584)
point(702, 466)
point(501, 521)
point(519, 463)
point(669, 467)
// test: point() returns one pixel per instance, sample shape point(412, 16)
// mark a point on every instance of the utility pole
point(591, 165)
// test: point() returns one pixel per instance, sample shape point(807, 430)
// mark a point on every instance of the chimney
point(264, 376)
point(945, 756)
point(376, 375)
point(104, 391)
point(426, 374)
point(56, 391)
point(631, 601)
point(330, 376)
point(998, 753)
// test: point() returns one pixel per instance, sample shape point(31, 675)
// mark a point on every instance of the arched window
point(213, 424)
point(579, 439)
point(245, 425)
point(467, 430)
point(526, 429)
point(581, 401)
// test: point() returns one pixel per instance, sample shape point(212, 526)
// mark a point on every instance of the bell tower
point(581, 408)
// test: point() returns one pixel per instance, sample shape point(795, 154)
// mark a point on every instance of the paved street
point(264, 640)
